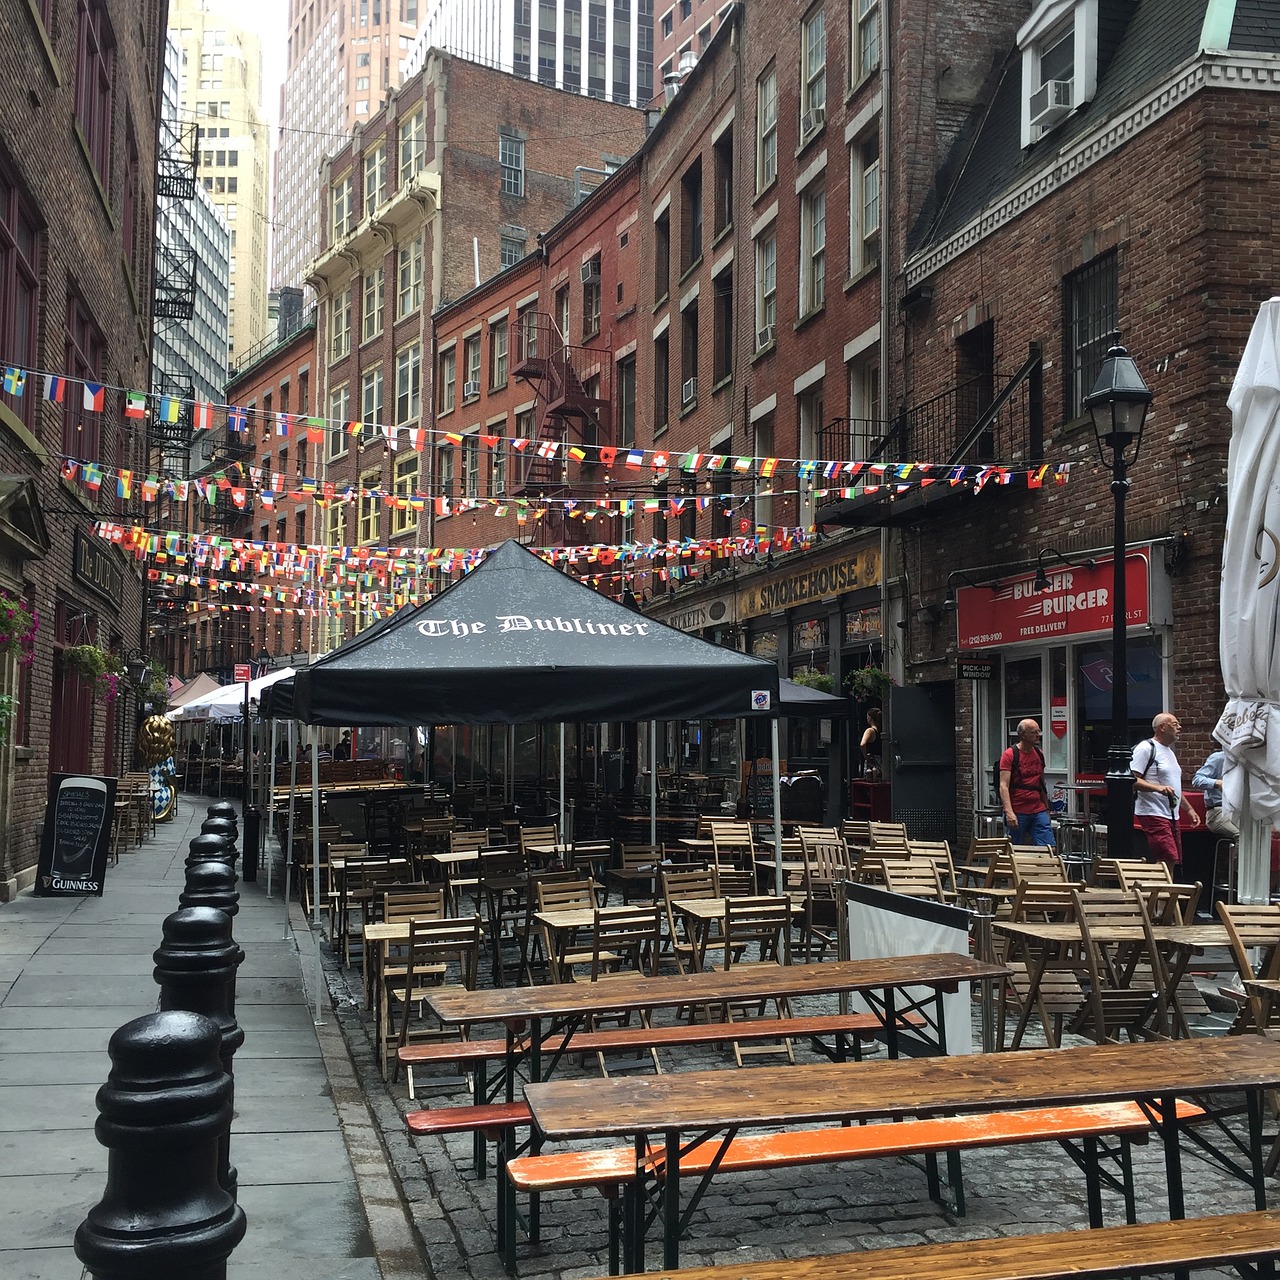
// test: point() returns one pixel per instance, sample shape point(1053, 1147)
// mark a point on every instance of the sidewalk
point(313, 1178)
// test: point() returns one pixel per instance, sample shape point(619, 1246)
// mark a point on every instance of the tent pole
point(777, 811)
point(271, 797)
point(560, 824)
point(315, 863)
point(288, 856)
point(653, 783)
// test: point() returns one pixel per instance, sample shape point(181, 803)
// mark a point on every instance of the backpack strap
point(1150, 742)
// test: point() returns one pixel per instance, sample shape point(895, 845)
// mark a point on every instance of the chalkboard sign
point(77, 835)
point(757, 785)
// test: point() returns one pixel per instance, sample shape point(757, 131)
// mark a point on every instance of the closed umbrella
point(1249, 729)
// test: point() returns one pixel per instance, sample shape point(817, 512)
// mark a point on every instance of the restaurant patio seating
point(825, 863)
point(637, 864)
point(677, 884)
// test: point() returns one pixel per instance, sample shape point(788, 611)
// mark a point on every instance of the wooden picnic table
point(655, 1111)
point(559, 1009)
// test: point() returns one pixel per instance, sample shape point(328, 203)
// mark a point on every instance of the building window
point(766, 290)
point(339, 412)
point(866, 38)
point(766, 129)
point(762, 447)
point(403, 517)
point(19, 291)
point(95, 67)
point(412, 135)
point(562, 315)
point(864, 204)
point(1092, 302)
point(471, 465)
point(723, 159)
point(510, 251)
point(375, 177)
point(83, 350)
point(371, 397)
point(527, 327)
point(409, 384)
point(689, 356)
point(1059, 64)
point(445, 464)
point(662, 255)
point(471, 364)
point(498, 469)
point(626, 401)
point(340, 324)
point(668, 24)
point(497, 355)
point(661, 382)
point(813, 251)
point(865, 427)
point(591, 298)
point(810, 412)
point(370, 506)
point(409, 279)
point(335, 525)
point(722, 326)
point(448, 379)
point(372, 302)
point(340, 200)
point(813, 65)
point(511, 158)
point(691, 191)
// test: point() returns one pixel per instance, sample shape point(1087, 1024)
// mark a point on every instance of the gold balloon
point(155, 740)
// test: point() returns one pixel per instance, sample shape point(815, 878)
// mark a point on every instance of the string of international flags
point(830, 477)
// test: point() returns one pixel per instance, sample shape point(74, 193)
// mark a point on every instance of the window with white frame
point(448, 380)
point(497, 354)
point(339, 412)
point(865, 32)
point(371, 398)
point(375, 177)
point(527, 325)
point(370, 506)
point(809, 409)
point(471, 364)
point(1059, 45)
point(371, 303)
point(408, 384)
point(865, 426)
point(412, 139)
point(813, 250)
point(498, 469)
point(471, 464)
point(340, 202)
point(762, 447)
point(335, 525)
point(510, 250)
point(445, 465)
point(340, 324)
point(511, 159)
point(591, 300)
point(813, 72)
point(766, 289)
point(409, 278)
point(766, 128)
point(864, 203)
point(405, 484)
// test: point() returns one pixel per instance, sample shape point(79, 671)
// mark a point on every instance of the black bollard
point(220, 827)
point(196, 971)
point(209, 847)
point(211, 883)
point(225, 809)
point(162, 1114)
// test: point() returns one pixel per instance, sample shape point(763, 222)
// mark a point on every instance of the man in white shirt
point(1158, 798)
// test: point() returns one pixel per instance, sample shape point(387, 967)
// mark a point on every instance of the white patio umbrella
point(1249, 729)
point(226, 702)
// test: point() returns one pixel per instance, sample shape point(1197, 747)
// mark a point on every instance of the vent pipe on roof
point(670, 86)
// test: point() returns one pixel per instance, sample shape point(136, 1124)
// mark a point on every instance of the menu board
point(757, 785)
point(77, 835)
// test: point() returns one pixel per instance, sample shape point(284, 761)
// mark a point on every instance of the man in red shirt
point(1022, 791)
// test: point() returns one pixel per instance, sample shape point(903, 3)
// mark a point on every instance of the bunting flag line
point(202, 416)
point(15, 381)
point(54, 388)
point(170, 408)
point(95, 397)
point(135, 404)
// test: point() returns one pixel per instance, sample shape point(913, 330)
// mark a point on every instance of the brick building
point(680, 27)
point(1117, 174)
point(78, 107)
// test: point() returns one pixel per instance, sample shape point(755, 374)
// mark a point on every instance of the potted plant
point(868, 684)
point(811, 679)
point(18, 627)
point(102, 669)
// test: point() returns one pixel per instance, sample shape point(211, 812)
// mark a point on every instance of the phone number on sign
point(986, 637)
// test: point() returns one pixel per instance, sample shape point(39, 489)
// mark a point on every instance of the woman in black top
point(870, 744)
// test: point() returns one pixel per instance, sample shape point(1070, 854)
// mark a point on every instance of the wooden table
point(701, 913)
point(562, 1008)
point(707, 1103)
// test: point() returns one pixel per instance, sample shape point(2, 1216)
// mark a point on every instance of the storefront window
point(764, 644)
point(861, 625)
point(1093, 698)
point(809, 635)
point(1057, 732)
point(1021, 695)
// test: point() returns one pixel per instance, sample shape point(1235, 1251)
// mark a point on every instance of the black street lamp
point(1118, 405)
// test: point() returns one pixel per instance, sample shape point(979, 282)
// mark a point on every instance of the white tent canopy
point(227, 701)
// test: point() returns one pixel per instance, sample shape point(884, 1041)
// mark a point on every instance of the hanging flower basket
point(96, 666)
point(18, 627)
point(818, 680)
point(869, 684)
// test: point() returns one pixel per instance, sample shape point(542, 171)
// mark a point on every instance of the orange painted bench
point(608, 1169)
point(1150, 1247)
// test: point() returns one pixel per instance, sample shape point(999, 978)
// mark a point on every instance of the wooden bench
point(485, 1122)
point(608, 1169)
point(1219, 1241)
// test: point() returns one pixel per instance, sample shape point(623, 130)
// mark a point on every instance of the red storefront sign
point(1077, 602)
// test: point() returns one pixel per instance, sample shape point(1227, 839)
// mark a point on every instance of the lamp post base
point(1120, 790)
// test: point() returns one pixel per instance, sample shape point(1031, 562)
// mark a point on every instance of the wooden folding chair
point(637, 864)
point(678, 884)
point(914, 877)
point(757, 931)
point(825, 863)
point(1043, 974)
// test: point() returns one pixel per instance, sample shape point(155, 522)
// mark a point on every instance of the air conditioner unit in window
point(591, 271)
point(689, 392)
point(470, 389)
point(765, 336)
point(812, 121)
point(1051, 102)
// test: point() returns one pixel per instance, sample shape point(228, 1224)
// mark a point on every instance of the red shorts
point(1164, 840)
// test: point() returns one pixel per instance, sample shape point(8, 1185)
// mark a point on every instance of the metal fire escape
point(573, 386)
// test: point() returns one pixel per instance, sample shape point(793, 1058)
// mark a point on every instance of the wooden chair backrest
point(764, 921)
point(731, 882)
point(627, 941)
point(1048, 902)
point(888, 833)
point(1133, 875)
point(811, 835)
point(1263, 1013)
point(917, 878)
point(468, 841)
point(1110, 871)
point(639, 857)
point(433, 943)
point(825, 862)
point(1035, 863)
point(414, 902)
point(939, 853)
point(1172, 903)
point(688, 884)
point(565, 895)
point(538, 835)
point(733, 842)
point(856, 833)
